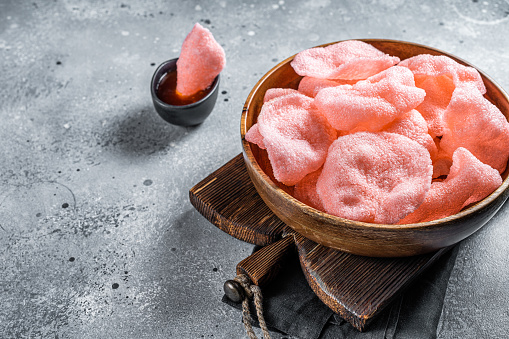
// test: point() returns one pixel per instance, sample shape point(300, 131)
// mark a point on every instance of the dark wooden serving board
point(355, 287)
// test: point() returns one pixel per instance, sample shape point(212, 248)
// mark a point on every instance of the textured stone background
point(97, 235)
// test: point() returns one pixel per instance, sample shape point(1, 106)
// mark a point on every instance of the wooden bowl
point(368, 239)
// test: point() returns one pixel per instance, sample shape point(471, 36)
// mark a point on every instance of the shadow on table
point(141, 132)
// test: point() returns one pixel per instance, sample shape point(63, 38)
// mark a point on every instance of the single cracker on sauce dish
point(201, 60)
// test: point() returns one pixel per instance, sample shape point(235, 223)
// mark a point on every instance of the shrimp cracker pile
point(370, 138)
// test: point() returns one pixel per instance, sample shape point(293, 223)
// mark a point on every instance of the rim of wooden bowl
point(335, 220)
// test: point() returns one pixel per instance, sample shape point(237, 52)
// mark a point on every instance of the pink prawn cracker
point(412, 125)
point(439, 76)
point(311, 86)
point(273, 93)
point(374, 177)
point(201, 60)
point(438, 95)
point(474, 123)
point(305, 190)
point(253, 135)
point(437, 65)
point(348, 60)
point(370, 104)
point(295, 135)
point(469, 181)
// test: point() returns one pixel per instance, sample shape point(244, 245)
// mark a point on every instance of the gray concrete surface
point(97, 235)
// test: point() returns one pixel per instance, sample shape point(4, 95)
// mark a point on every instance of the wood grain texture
point(361, 238)
point(356, 287)
point(227, 201)
point(264, 264)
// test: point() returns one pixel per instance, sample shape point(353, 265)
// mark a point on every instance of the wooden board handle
point(260, 267)
point(264, 264)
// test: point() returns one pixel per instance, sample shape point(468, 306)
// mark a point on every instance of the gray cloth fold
point(292, 308)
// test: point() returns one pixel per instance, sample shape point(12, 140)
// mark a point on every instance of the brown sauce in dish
point(167, 91)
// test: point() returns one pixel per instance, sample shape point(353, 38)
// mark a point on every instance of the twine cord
point(254, 292)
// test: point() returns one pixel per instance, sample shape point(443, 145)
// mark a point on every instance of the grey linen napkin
point(292, 308)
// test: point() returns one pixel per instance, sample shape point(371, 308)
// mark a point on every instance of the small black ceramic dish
point(184, 115)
